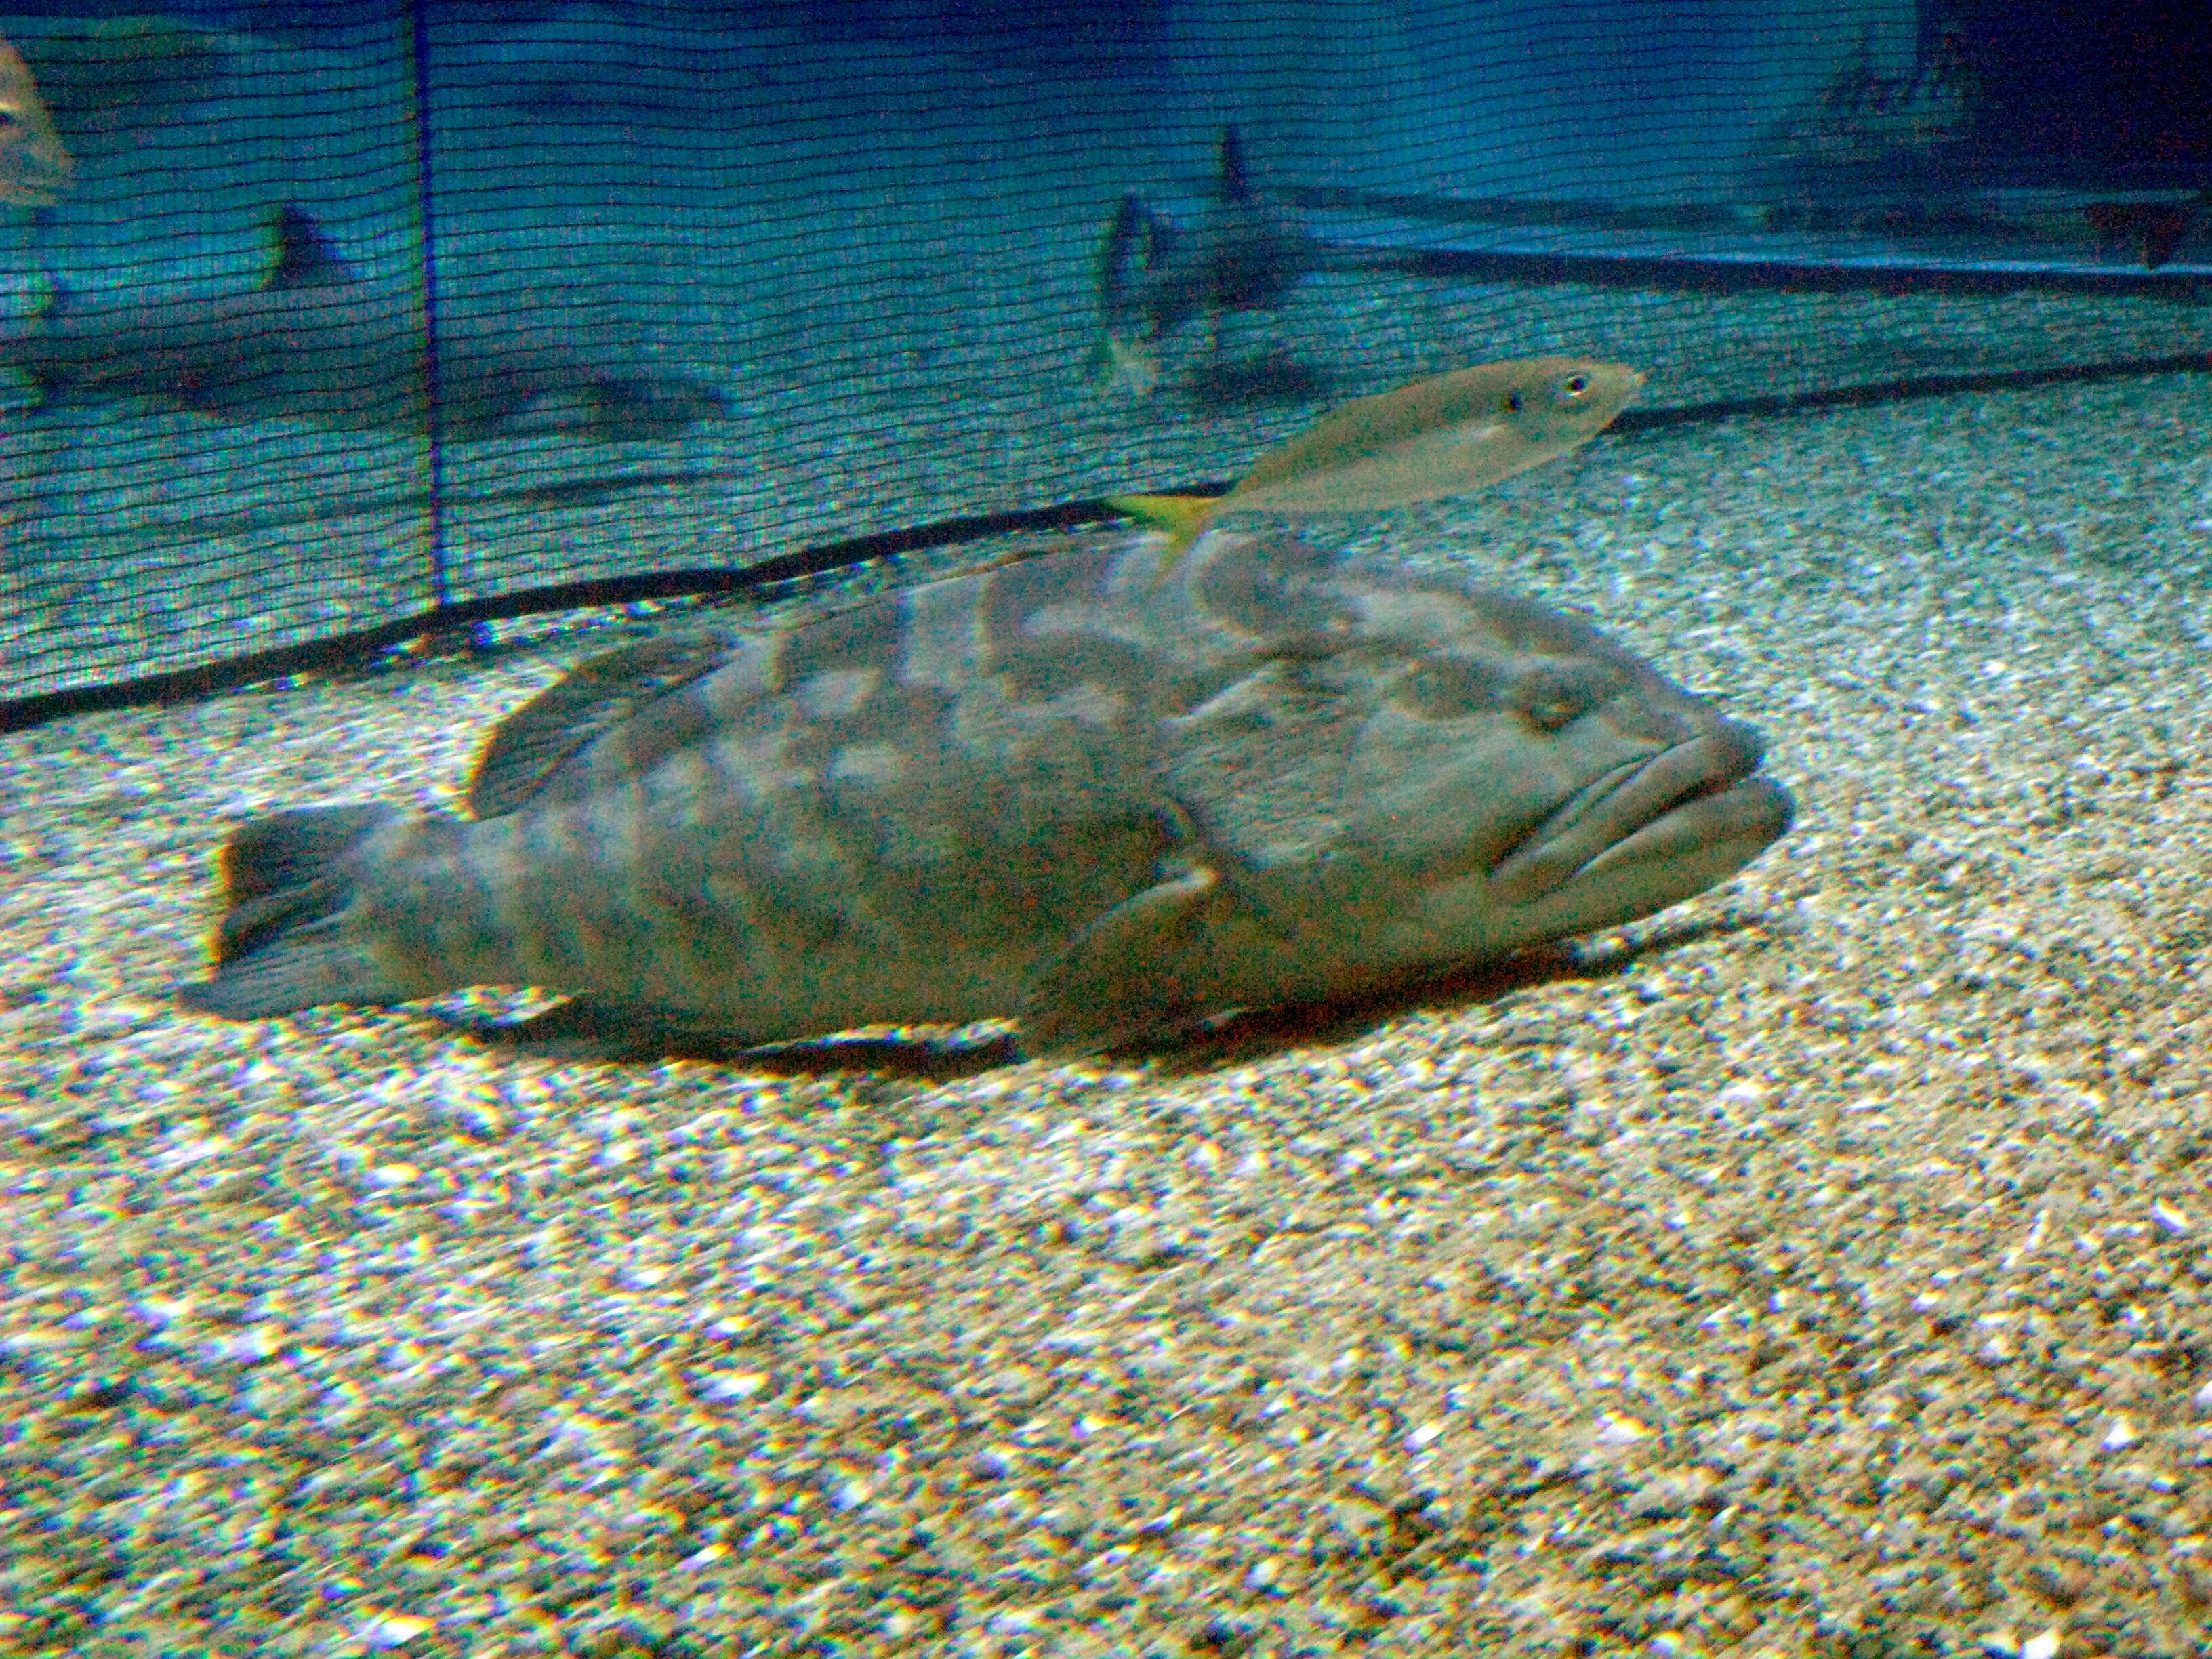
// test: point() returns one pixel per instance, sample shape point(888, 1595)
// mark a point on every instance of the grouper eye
point(1514, 401)
point(1574, 387)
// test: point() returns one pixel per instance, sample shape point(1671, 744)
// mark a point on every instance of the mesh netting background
point(869, 231)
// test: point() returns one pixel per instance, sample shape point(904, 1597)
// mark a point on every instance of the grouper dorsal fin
point(532, 745)
point(306, 256)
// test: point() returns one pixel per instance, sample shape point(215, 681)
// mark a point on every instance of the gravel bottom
point(1817, 1269)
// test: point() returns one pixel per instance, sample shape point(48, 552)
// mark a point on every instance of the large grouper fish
point(1068, 788)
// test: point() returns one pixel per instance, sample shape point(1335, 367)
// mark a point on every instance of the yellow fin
point(1184, 517)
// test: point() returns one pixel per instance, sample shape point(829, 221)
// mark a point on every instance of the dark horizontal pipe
point(1906, 390)
point(1701, 273)
point(349, 650)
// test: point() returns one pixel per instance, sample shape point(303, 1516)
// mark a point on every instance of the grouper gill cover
point(1107, 801)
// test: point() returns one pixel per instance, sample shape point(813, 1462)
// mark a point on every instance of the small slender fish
point(1449, 435)
point(34, 164)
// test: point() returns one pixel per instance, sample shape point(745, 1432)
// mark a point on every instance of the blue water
point(873, 229)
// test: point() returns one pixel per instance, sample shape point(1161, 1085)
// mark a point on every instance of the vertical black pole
point(434, 403)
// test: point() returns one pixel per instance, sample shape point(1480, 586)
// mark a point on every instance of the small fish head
point(1565, 400)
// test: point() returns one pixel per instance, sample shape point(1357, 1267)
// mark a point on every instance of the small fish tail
point(1125, 357)
point(282, 943)
point(1184, 517)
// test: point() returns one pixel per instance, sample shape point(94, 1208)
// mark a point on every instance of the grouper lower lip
point(1686, 799)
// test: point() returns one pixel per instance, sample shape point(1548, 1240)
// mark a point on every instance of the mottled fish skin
point(1062, 788)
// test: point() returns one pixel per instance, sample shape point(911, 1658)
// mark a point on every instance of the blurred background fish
point(34, 164)
point(1154, 276)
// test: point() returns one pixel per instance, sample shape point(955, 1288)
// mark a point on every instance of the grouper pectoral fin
point(1137, 971)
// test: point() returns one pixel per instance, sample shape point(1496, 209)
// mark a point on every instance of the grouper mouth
point(1673, 815)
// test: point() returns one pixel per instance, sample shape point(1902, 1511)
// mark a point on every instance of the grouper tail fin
point(282, 944)
point(1184, 517)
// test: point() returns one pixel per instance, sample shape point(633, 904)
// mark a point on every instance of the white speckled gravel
point(1817, 1270)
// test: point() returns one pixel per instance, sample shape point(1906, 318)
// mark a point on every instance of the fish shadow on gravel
point(564, 1032)
point(1236, 1040)
point(1248, 1036)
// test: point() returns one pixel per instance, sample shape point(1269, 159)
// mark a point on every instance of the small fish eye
point(1514, 401)
point(1575, 385)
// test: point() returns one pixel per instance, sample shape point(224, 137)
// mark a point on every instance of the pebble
point(385, 1633)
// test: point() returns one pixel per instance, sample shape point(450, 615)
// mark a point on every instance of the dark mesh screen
point(578, 292)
